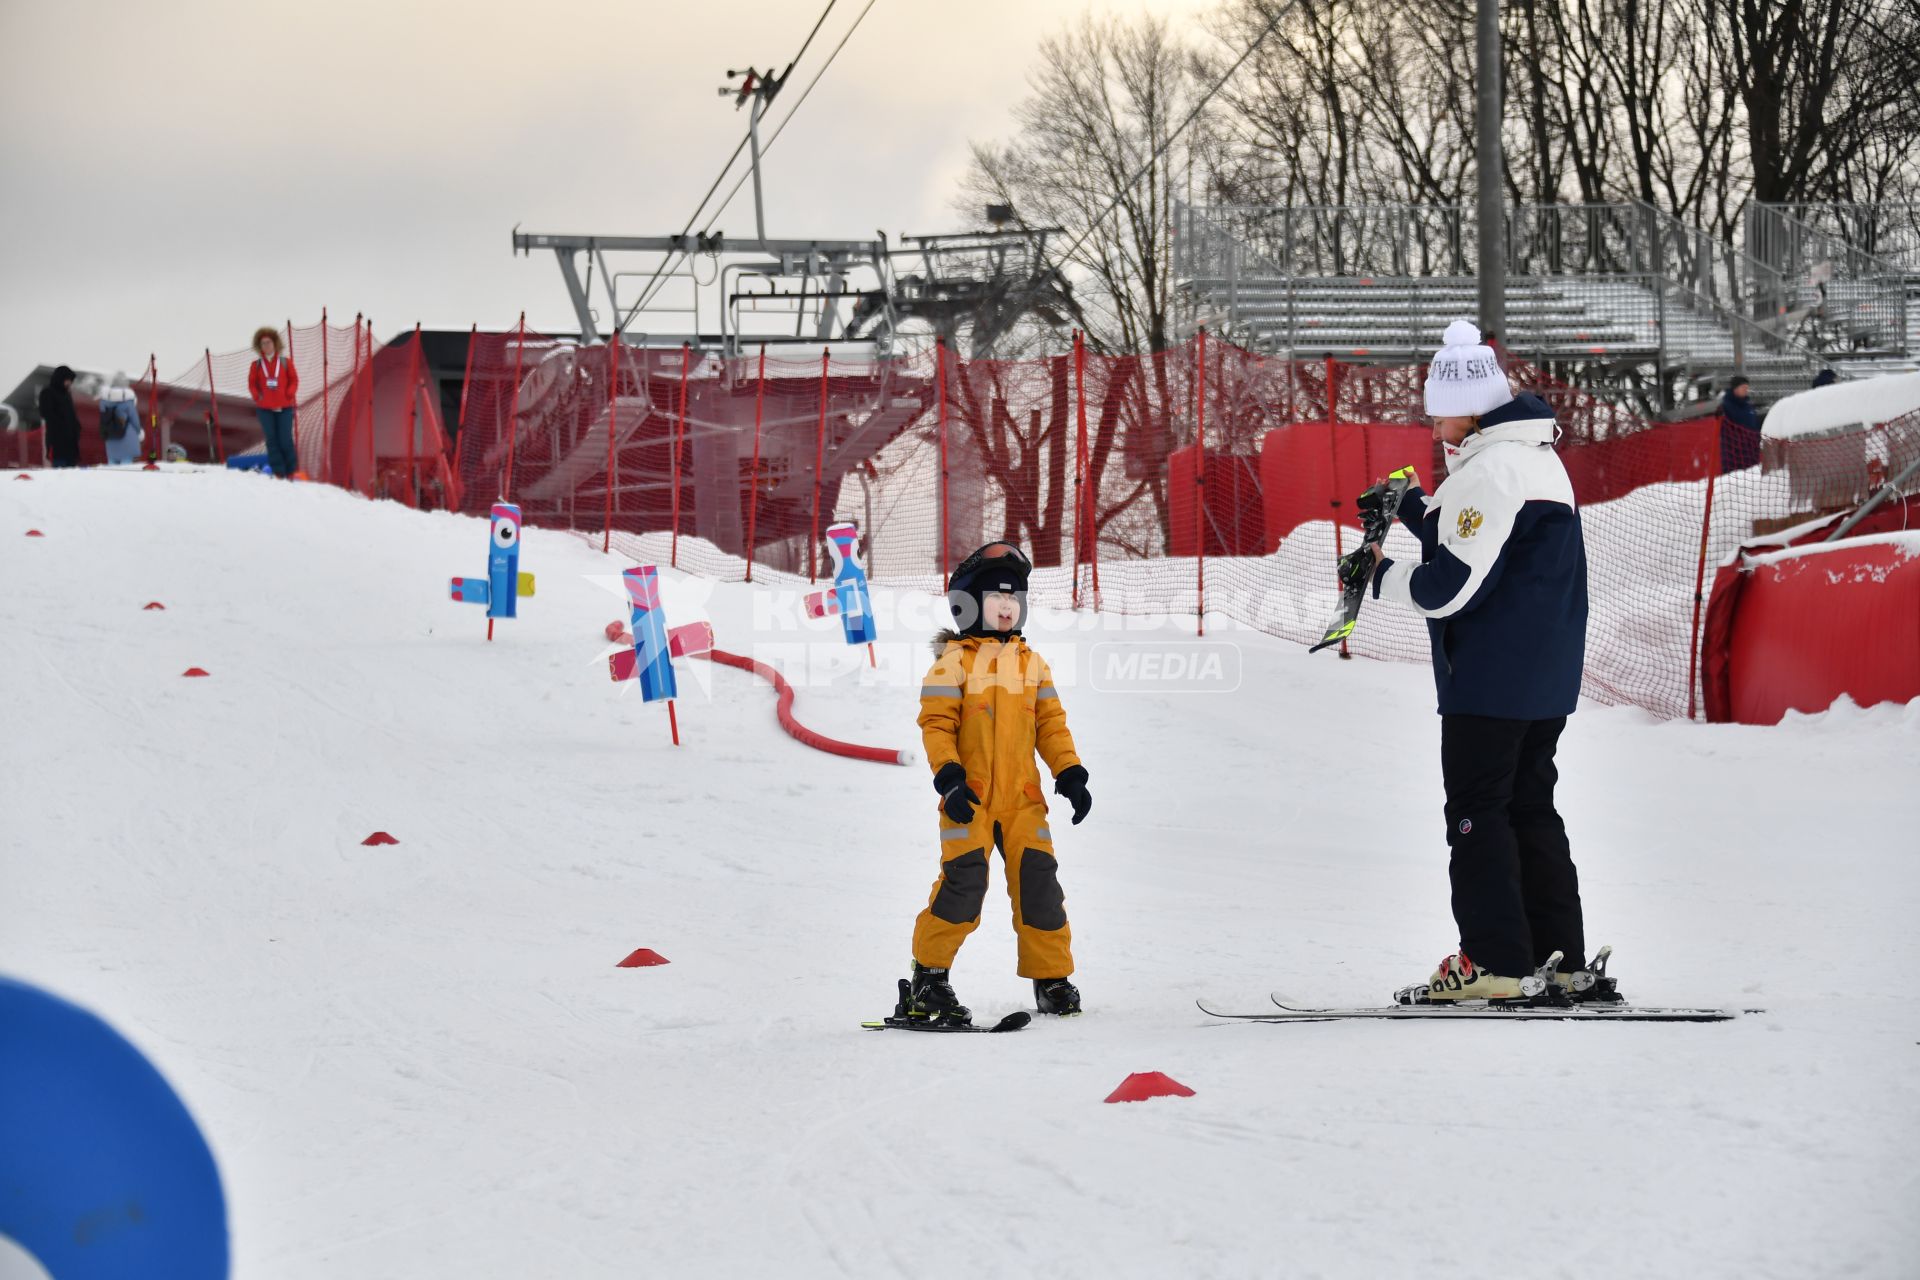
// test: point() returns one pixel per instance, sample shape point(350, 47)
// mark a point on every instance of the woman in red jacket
point(275, 388)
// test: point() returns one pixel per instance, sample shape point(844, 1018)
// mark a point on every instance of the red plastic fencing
point(368, 417)
point(1199, 477)
point(1199, 480)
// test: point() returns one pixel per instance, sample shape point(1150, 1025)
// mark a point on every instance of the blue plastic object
point(103, 1173)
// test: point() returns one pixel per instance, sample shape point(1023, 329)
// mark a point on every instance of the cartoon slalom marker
point(654, 648)
point(504, 584)
point(848, 596)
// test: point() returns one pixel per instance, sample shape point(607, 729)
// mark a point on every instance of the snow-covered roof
point(1844, 406)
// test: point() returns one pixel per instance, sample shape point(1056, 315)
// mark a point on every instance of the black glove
point(1072, 783)
point(956, 797)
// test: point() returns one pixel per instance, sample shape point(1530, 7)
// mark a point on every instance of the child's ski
point(1012, 1022)
point(1378, 507)
point(901, 1022)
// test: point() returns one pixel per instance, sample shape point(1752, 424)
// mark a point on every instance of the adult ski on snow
point(1597, 999)
point(1378, 507)
point(1475, 1009)
point(901, 1022)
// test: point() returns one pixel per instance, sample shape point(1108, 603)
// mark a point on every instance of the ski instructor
point(1502, 583)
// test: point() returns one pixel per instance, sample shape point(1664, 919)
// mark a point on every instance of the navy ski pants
point(1516, 894)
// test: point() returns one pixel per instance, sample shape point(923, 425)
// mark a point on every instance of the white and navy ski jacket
point(1502, 578)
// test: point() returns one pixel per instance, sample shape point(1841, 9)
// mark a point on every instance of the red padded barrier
point(1817, 622)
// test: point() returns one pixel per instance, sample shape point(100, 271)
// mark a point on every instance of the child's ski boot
point(1056, 995)
point(930, 998)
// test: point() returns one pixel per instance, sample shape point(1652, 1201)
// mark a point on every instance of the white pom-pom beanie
point(1465, 379)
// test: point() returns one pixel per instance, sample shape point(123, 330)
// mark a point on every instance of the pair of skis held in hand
point(1377, 506)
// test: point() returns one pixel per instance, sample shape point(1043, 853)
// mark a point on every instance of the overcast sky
point(180, 171)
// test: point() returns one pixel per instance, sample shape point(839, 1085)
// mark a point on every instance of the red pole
point(679, 443)
point(296, 408)
point(326, 399)
point(1083, 505)
point(1699, 596)
point(413, 417)
point(673, 722)
point(373, 454)
point(613, 413)
point(350, 405)
point(1200, 485)
point(153, 412)
point(213, 413)
point(753, 479)
point(513, 410)
point(819, 465)
point(940, 387)
point(1333, 456)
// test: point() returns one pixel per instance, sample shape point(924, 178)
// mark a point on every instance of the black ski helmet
point(998, 566)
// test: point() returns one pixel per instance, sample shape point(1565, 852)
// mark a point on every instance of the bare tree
point(1107, 94)
point(1827, 88)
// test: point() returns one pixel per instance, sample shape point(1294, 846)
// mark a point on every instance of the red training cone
point(194, 671)
point(1142, 1085)
point(153, 604)
point(35, 533)
point(641, 959)
point(23, 476)
point(379, 837)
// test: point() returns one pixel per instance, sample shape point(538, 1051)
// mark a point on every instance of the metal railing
point(1844, 296)
point(1888, 232)
point(1620, 284)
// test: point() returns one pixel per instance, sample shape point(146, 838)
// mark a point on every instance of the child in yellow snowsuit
point(986, 707)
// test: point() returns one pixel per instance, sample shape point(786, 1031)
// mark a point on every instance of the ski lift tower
point(804, 280)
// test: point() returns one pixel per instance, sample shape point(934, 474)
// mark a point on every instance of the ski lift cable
point(1192, 115)
point(652, 284)
point(788, 118)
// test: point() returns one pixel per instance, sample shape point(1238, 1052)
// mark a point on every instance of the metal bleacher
point(1851, 273)
point(1620, 298)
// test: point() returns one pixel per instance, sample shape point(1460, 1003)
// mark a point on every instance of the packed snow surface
point(420, 1059)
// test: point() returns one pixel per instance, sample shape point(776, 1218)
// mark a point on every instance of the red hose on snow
point(784, 709)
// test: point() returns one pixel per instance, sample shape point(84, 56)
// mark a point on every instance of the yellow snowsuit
point(990, 704)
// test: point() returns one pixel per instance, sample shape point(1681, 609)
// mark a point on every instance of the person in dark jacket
point(1739, 428)
point(1502, 582)
point(1825, 378)
point(57, 414)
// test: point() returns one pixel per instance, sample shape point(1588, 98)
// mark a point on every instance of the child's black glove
point(956, 797)
point(1072, 783)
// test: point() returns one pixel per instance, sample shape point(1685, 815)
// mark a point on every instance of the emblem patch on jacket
point(1469, 523)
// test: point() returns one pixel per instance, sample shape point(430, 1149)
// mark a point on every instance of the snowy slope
point(420, 1060)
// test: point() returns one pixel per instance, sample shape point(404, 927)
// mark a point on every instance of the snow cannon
point(848, 596)
point(504, 583)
